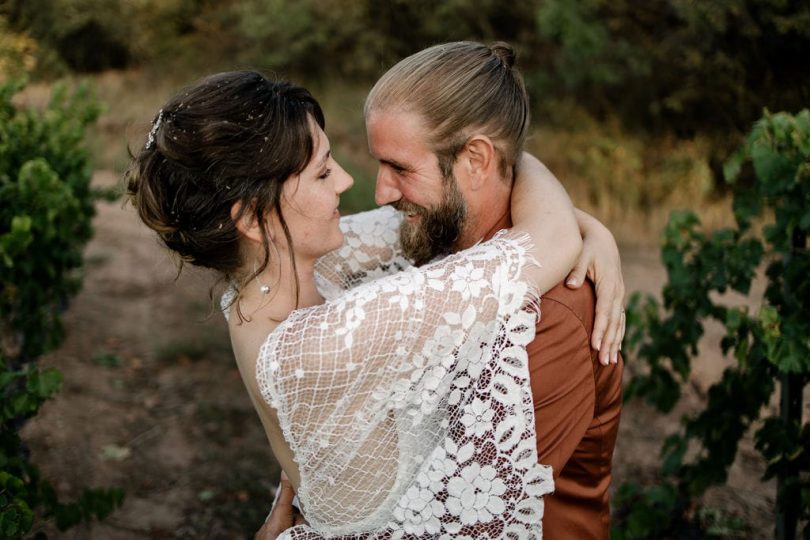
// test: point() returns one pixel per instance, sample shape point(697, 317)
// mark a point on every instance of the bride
point(395, 398)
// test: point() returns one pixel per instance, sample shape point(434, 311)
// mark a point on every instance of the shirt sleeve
point(370, 250)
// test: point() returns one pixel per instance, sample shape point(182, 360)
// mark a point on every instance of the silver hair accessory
point(150, 142)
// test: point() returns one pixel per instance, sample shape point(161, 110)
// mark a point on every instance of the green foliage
point(718, 525)
point(644, 514)
point(580, 33)
point(17, 51)
point(46, 207)
point(772, 170)
point(678, 65)
point(347, 38)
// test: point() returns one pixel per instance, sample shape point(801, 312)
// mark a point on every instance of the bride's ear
point(247, 224)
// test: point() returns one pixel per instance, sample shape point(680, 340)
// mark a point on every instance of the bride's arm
point(541, 208)
point(332, 372)
point(370, 249)
point(539, 203)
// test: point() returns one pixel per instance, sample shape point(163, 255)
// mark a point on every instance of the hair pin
point(150, 141)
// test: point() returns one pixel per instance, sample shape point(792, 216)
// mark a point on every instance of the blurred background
point(636, 107)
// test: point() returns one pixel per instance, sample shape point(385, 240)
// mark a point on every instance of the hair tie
point(150, 141)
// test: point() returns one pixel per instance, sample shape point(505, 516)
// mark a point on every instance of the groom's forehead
point(398, 137)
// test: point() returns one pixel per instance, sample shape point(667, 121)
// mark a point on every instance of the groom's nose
point(387, 190)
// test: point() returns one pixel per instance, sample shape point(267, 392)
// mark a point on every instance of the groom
point(419, 117)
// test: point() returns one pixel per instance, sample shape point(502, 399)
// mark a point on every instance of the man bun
point(504, 52)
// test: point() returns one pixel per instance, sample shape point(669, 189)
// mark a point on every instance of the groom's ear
point(246, 222)
point(480, 160)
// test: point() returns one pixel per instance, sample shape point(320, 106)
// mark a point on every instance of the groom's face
point(410, 180)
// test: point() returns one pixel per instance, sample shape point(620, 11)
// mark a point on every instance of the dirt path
point(153, 402)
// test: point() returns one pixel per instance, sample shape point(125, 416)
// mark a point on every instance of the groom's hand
point(283, 514)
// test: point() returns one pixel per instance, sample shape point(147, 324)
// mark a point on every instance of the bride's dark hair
point(231, 137)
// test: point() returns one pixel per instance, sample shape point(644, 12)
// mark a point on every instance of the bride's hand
point(283, 515)
point(601, 263)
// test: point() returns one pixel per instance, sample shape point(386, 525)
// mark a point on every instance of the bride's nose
point(344, 180)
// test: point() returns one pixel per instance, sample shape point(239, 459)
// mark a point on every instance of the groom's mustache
point(407, 207)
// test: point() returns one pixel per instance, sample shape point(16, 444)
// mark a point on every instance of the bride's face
point(309, 202)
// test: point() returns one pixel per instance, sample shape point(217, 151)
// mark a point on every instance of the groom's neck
point(486, 210)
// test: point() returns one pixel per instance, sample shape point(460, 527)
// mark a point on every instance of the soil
point(152, 402)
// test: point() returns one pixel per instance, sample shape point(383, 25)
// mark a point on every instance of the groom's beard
point(437, 230)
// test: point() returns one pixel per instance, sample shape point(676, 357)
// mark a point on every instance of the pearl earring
point(265, 289)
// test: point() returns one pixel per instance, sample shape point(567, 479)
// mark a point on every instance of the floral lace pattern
point(405, 398)
point(370, 250)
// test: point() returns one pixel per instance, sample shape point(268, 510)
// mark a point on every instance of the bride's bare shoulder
point(247, 338)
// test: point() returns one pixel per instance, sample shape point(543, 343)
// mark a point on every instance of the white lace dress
point(405, 398)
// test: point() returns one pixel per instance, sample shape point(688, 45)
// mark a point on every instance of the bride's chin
point(336, 243)
point(338, 240)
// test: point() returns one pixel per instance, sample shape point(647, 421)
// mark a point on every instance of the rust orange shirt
point(577, 404)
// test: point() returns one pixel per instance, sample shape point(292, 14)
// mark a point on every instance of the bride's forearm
point(542, 208)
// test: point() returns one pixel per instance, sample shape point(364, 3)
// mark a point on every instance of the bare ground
point(152, 402)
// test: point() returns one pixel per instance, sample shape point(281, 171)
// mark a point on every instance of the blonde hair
point(457, 89)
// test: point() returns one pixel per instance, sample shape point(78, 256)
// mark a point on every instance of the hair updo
point(231, 137)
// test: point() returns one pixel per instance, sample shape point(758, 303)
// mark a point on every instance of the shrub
point(770, 345)
point(46, 206)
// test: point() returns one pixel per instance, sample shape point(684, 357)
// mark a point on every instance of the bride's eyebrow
point(326, 157)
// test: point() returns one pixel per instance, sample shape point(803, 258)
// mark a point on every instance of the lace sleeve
point(406, 403)
point(370, 250)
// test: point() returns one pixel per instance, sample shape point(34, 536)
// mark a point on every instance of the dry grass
point(629, 181)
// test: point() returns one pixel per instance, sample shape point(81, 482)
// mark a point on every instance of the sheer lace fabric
point(405, 399)
point(370, 250)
